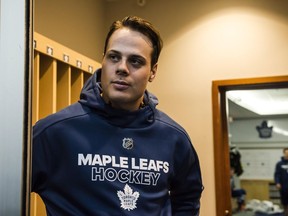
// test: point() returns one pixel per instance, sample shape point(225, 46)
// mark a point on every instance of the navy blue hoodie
point(281, 174)
point(90, 159)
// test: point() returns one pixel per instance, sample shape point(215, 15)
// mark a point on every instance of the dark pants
point(284, 200)
point(284, 196)
point(239, 194)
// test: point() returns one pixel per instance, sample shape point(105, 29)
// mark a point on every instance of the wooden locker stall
point(77, 81)
point(63, 86)
point(58, 77)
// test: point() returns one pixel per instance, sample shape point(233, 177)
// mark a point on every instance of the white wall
point(259, 155)
point(243, 132)
point(205, 41)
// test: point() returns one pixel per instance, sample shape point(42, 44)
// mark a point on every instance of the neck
point(124, 105)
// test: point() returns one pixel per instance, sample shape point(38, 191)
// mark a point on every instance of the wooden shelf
point(61, 53)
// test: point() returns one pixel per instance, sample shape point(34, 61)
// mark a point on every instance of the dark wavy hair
point(144, 27)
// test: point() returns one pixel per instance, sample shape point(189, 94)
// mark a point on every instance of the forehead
point(125, 37)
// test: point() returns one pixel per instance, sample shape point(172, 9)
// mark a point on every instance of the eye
point(113, 57)
point(137, 61)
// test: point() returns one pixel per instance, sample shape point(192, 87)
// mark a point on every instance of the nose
point(122, 68)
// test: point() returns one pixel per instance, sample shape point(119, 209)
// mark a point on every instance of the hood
point(91, 97)
point(284, 159)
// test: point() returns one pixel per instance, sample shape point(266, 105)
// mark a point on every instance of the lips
point(120, 85)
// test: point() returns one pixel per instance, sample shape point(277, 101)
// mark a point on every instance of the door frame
point(16, 38)
point(220, 132)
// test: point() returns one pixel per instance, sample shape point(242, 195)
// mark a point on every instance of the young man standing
point(281, 179)
point(113, 152)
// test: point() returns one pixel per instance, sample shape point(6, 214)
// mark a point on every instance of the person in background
point(113, 152)
point(281, 179)
point(237, 193)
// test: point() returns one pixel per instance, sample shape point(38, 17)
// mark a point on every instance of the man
point(113, 152)
point(281, 179)
point(237, 193)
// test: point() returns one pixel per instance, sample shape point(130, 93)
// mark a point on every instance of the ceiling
point(243, 104)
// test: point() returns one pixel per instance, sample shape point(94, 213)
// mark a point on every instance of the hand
point(278, 186)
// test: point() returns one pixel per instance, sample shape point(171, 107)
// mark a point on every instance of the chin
point(117, 98)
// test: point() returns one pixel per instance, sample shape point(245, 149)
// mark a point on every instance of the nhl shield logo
point(127, 143)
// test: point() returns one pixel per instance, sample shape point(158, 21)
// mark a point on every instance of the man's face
point(285, 154)
point(126, 69)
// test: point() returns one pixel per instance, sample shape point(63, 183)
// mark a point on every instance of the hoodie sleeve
point(45, 151)
point(187, 185)
point(277, 173)
point(39, 166)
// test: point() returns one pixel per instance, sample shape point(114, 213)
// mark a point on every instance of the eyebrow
point(113, 51)
point(130, 55)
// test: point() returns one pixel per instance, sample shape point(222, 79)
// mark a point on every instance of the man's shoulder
point(72, 111)
point(163, 118)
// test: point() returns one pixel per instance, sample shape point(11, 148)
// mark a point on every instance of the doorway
point(221, 132)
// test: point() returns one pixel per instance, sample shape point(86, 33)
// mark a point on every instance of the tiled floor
point(244, 213)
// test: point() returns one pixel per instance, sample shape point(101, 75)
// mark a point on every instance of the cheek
point(106, 70)
point(104, 78)
point(143, 74)
point(143, 80)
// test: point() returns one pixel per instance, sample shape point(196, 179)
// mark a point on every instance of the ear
point(153, 73)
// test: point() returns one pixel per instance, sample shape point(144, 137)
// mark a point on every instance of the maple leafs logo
point(128, 198)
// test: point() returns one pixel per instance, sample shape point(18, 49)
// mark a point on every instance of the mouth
point(120, 85)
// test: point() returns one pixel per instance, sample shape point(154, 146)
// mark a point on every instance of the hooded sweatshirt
point(281, 174)
point(90, 159)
